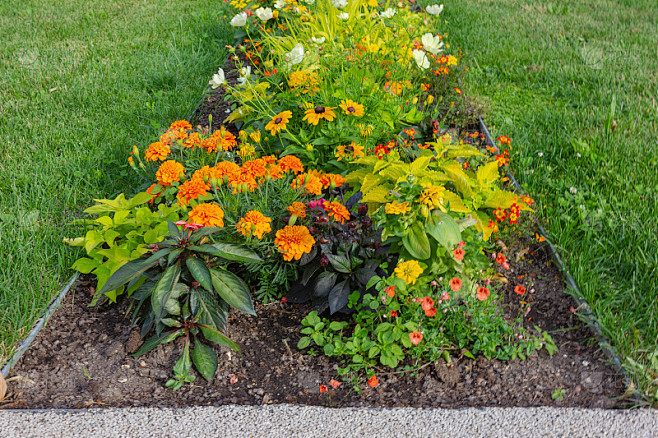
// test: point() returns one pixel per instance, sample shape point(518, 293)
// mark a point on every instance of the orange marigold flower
point(427, 303)
point(334, 383)
point(210, 144)
point(191, 189)
point(458, 254)
point(170, 171)
point(373, 381)
point(293, 241)
point(520, 289)
point(332, 180)
point(323, 389)
point(157, 151)
point(168, 137)
point(208, 215)
point(254, 223)
point(279, 122)
point(291, 162)
point(337, 211)
point(226, 140)
point(310, 183)
point(227, 169)
point(297, 209)
point(314, 115)
point(193, 141)
point(416, 337)
point(243, 182)
point(180, 125)
point(482, 293)
point(256, 168)
point(455, 284)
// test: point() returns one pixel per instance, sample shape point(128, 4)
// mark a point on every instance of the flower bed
point(337, 184)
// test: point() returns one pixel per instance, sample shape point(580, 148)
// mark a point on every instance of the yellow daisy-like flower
point(293, 241)
point(432, 196)
point(208, 215)
point(279, 122)
point(349, 152)
point(397, 208)
point(170, 171)
point(352, 108)
point(157, 151)
point(297, 209)
point(255, 136)
point(314, 115)
point(254, 223)
point(408, 271)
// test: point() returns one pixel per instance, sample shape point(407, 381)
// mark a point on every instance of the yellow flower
point(314, 115)
point(304, 81)
point(432, 196)
point(349, 152)
point(293, 241)
point(364, 130)
point(254, 223)
point(279, 122)
point(170, 171)
point(208, 215)
point(408, 271)
point(352, 108)
point(255, 136)
point(397, 208)
point(246, 151)
point(452, 60)
point(372, 3)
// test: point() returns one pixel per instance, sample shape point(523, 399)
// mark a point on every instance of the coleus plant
point(183, 288)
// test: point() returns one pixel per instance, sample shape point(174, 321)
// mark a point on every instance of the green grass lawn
point(80, 83)
point(557, 77)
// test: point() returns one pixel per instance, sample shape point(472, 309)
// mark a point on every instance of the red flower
point(390, 291)
point(323, 389)
point(461, 244)
point(500, 258)
point(394, 314)
point(334, 383)
point(519, 289)
point(455, 284)
point(427, 303)
point(504, 140)
point(284, 300)
point(430, 312)
point(458, 254)
point(416, 337)
point(373, 381)
point(482, 293)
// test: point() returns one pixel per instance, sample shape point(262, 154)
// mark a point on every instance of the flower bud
point(363, 209)
point(324, 261)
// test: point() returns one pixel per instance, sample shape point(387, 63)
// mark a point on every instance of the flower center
point(351, 109)
point(319, 109)
point(277, 120)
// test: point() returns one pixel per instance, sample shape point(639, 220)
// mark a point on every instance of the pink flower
point(319, 203)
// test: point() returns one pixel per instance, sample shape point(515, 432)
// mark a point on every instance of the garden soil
point(82, 358)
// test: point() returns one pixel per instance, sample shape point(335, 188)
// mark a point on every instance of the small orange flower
point(243, 182)
point(427, 303)
point(226, 140)
point(210, 144)
point(170, 171)
point(504, 140)
point(482, 293)
point(180, 125)
point(323, 389)
point(430, 312)
point(256, 168)
point(500, 258)
point(458, 91)
point(191, 189)
point(458, 254)
point(416, 337)
point(254, 223)
point(394, 314)
point(208, 215)
point(157, 151)
point(520, 289)
point(455, 284)
point(293, 241)
point(334, 383)
point(337, 211)
point(227, 169)
point(297, 209)
point(390, 291)
point(290, 162)
point(539, 238)
point(373, 381)
point(310, 183)
point(193, 141)
point(332, 180)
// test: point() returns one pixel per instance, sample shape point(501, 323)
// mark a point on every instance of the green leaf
point(85, 265)
point(232, 290)
point(443, 229)
point(164, 289)
point(214, 335)
point(205, 231)
point(340, 263)
point(156, 340)
point(205, 359)
point(199, 271)
point(416, 242)
point(228, 251)
point(207, 308)
point(488, 173)
point(174, 255)
point(174, 232)
point(304, 342)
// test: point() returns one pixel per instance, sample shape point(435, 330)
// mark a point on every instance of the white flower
point(296, 55)
point(434, 9)
point(317, 40)
point(432, 43)
point(573, 190)
point(388, 13)
point(218, 79)
point(239, 20)
point(309, 2)
point(421, 59)
point(245, 72)
point(541, 154)
point(280, 4)
point(339, 4)
point(264, 13)
point(344, 16)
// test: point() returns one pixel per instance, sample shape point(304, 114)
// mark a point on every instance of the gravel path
point(307, 421)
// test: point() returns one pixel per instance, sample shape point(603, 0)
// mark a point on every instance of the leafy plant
point(184, 288)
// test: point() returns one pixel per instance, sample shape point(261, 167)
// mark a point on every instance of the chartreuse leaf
point(482, 224)
point(443, 229)
point(85, 265)
point(459, 178)
point(199, 271)
point(232, 289)
point(416, 242)
point(164, 289)
point(488, 173)
point(228, 251)
point(205, 360)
